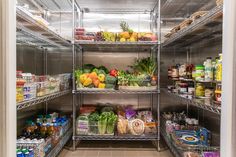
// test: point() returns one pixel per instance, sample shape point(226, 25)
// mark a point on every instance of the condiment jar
point(200, 90)
point(218, 93)
point(183, 87)
point(175, 72)
point(208, 92)
point(199, 73)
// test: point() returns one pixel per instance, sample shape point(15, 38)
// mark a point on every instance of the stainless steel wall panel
point(30, 59)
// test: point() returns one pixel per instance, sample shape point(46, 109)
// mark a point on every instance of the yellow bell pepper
point(82, 78)
point(101, 85)
point(101, 77)
point(88, 82)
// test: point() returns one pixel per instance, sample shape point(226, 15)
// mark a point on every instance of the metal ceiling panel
point(184, 8)
point(117, 5)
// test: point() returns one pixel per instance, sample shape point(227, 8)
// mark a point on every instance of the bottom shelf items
point(45, 136)
point(186, 139)
point(56, 150)
point(104, 122)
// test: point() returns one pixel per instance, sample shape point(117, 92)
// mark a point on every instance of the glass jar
point(175, 72)
point(218, 93)
point(199, 73)
point(208, 92)
point(183, 87)
point(200, 90)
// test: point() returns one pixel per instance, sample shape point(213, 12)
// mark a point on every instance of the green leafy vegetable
point(104, 69)
point(102, 122)
point(111, 121)
point(145, 66)
point(93, 123)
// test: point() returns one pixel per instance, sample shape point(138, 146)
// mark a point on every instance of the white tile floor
point(114, 153)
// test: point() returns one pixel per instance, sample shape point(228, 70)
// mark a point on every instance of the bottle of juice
point(43, 130)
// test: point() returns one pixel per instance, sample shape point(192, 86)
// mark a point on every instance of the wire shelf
point(113, 91)
point(26, 22)
point(147, 43)
point(196, 102)
point(26, 36)
point(117, 138)
point(140, 46)
point(179, 151)
point(192, 30)
point(56, 150)
point(38, 100)
point(176, 152)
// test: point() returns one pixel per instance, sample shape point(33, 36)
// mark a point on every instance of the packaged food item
point(129, 112)
point(219, 69)
point(191, 154)
point(182, 71)
point(211, 154)
point(82, 124)
point(200, 90)
point(218, 93)
point(183, 87)
point(122, 125)
point(136, 127)
point(93, 123)
point(208, 69)
point(209, 92)
point(199, 73)
point(175, 73)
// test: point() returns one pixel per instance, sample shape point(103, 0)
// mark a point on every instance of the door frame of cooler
point(228, 113)
point(7, 78)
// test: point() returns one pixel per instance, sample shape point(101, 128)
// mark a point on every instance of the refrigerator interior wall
point(30, 59)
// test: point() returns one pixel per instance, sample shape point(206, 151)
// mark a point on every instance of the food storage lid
point(218, 92)
point(199, 67)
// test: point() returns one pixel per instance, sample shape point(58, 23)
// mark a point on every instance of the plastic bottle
point(51, 129)
point(31, 152)
point(43, 130)
point(208, 69)
point(219, 69)
point(19, 154)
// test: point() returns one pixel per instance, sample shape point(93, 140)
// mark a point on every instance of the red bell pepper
point(114, 72)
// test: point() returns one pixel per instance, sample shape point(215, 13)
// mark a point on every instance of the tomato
point(114, 72)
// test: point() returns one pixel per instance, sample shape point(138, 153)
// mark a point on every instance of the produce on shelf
point(42, 134)
point(30, 86)
point(94, 77)
point(103, 120)
point(147, 36)
point(93, 123)
point(97, 123)
point(127, 35)
point(142, 75)
point(109, 36)
point(135, 122)
point(81, 34)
